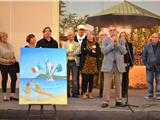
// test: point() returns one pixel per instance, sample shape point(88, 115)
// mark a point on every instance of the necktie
point(114, 55)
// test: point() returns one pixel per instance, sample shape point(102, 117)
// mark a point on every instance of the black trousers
point(78, 75)
point(5, 70)
point(87, 79)
point(125, 82)
point(78, 83)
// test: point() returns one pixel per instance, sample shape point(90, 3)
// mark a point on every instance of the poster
point(43, 76)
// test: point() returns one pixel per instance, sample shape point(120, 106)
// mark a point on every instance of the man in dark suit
point(128, 60)
point(151, 58)
point(81, 35)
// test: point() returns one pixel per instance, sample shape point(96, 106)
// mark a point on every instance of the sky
point(82, 7)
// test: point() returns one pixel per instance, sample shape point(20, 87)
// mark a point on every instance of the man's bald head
point(155, 38)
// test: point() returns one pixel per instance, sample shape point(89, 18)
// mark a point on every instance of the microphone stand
point(126, 102)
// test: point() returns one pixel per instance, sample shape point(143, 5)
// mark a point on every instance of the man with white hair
point(80, 36)
point(72, 49)
point(151, 59)
point(113, 64)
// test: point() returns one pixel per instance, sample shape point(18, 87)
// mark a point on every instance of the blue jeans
point(151, 75)
point(72, 68)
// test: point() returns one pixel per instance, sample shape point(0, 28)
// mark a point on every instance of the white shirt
point(80, 39)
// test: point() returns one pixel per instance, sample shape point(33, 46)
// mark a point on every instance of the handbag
point(17, 68)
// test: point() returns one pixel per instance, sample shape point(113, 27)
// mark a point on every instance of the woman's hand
point(12, 61)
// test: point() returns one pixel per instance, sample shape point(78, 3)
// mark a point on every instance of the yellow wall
point(19, 19)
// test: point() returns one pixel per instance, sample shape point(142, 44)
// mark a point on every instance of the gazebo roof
point(126, 8)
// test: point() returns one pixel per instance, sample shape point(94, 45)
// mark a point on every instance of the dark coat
point(151, 59)
point(76, 39)
point(80, 55)
point(43, 43)
point(85, 52)
point(128, 57)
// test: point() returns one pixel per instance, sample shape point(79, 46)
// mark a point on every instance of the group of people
point(110, 56)
point(8, 61)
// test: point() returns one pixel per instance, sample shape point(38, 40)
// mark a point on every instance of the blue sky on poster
point(32, 57)
point(83, 7)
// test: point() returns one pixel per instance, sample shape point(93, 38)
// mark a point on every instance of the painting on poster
point(43, 76)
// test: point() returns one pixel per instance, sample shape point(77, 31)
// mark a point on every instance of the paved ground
point(80, 109)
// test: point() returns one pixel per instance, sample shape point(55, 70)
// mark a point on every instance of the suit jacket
point(128, 57)
point(112, 52)
point(151, 59)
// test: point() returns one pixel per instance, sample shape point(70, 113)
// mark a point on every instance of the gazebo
point(124, 13)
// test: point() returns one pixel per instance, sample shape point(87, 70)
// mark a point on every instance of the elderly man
point(80, 36)
point(72, 49)
point(151, 58)
point(113, 62)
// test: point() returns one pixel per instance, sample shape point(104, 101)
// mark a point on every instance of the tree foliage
point(70, 20)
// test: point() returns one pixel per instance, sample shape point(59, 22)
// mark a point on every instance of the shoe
point(75, 95)
point(5, 100)
point(14, 99)
point(119, 104)
point(158, 97)
point(85, 96)
point(149, 97)
point(100, 95)
point(78, 92)
point(90, 96)
point(124, 95)
point(104, 105)
point(68, 95)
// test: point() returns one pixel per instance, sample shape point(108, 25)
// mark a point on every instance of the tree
point(67, 22)
point(62, 6)
point(71, 21)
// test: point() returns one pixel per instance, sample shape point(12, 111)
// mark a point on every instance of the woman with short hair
point(31, 40)
point(7, 60)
